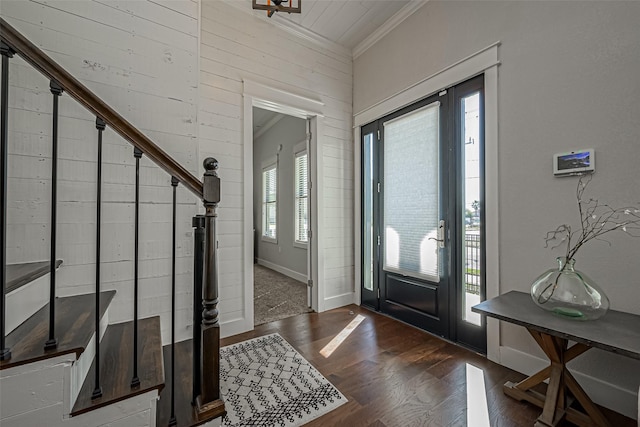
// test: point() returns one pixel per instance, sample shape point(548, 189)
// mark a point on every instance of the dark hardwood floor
point(185, 413)
point(396, 375)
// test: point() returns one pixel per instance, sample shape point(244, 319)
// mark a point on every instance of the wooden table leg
point(555, 403)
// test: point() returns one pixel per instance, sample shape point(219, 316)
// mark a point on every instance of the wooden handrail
point(39, 60)
point(208, 400)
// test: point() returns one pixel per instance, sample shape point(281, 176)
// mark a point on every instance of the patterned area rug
point(266, 382)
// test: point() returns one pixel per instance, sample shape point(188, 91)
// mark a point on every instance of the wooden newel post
point(209, 402)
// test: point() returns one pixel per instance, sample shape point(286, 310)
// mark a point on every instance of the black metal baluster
point(172, 420)
point(5, 353)
point(198, 266)
point(52, 343)
point(100, 125)
point(135, 381)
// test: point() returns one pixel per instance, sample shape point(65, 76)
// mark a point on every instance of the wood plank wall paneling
point(142, 58)
point(237, 46)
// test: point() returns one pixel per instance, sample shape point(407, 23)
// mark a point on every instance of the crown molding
point(388, 26)
point(294, 29)
point(309, 35)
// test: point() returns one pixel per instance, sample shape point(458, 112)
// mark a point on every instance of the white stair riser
point(137, 411)
point(80, 369)
point(34, 386)
point(25, 301)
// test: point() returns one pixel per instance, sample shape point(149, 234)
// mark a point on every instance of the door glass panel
point(471, 236)
point(367, 212)
point(411, 209)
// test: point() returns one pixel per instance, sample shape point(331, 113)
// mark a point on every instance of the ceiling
point(263, 120)
point(344, 22)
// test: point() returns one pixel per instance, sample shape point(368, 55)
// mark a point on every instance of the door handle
point(440, 239)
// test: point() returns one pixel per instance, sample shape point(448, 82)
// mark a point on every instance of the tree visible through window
point(301, 201)
point(269, 199)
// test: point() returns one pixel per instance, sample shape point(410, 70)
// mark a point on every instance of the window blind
point(411, 193)
point(301, 197)
point(269, 201)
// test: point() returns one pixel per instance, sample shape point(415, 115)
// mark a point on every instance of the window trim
point(300, 149)
point(267, 165)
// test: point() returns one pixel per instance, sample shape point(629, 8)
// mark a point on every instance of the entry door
point(406, 215)
point(422, 204)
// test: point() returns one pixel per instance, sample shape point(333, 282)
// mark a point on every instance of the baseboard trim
point(339, 301)
point(235, 326)
point(601, 392)
point(283, 270)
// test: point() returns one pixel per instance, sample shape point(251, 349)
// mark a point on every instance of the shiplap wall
point(234, 46)
point(141, 57)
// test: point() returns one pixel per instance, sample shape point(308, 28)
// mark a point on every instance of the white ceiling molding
point(387, 27)
point(271, 123)
point(307, 34)
point(455, 73)
point(293, 28)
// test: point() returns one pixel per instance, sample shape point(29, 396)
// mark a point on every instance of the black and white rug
point(266, 382)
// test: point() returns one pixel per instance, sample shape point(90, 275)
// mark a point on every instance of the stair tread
point(116, 360)
point(74, 327)
point(186, 414)
point(19, 275)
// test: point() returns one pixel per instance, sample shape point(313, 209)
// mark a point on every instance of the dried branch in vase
point(596, 220)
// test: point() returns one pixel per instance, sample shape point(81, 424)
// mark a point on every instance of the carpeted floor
point(276, 296)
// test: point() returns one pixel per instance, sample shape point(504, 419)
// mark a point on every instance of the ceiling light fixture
point(273, 6)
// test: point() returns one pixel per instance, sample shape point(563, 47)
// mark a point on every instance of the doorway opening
point(280, 215)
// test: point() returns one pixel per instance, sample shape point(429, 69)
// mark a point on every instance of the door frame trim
point(484, 61)
point(257, 94)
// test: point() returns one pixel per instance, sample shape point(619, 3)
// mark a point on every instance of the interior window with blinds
point(301, 202)
point(411, 193)
point(269, 199)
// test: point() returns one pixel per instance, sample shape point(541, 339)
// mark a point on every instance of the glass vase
point(569, 293)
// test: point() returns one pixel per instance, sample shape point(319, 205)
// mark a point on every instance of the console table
point(616, 332)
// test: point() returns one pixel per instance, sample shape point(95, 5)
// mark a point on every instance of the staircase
point(62, 362)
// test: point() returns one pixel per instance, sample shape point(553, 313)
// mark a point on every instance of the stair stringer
point(35, 394)
point(33, 386)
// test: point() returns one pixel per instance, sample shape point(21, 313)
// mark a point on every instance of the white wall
point(146, 60)
point(237, 46)
point(141, 57)
point(567, 79)
point(288, 132)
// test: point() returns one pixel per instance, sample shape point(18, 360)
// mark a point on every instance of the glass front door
point(422, 220)
point(413, 272)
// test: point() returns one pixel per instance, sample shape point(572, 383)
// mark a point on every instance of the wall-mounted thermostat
point(574, 162)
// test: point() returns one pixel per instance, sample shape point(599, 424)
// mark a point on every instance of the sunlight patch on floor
point(338, 339)
point(477, 410)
